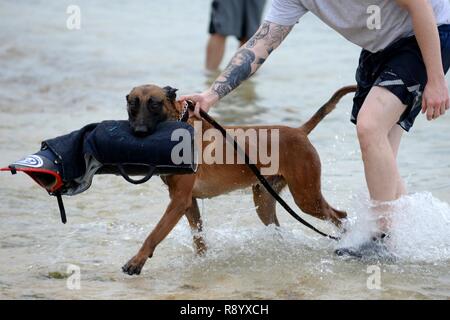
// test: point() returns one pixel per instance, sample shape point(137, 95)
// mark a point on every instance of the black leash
point(185, 115)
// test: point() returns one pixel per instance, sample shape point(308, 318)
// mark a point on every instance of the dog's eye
point(133, 104)
point(133, 109)
point(154, 105)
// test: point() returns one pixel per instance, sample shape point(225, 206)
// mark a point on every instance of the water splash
point(420, 227)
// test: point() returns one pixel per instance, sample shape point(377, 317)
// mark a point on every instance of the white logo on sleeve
point(32, 161)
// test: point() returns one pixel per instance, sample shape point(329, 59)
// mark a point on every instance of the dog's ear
point(171, 93)
point(127, 96)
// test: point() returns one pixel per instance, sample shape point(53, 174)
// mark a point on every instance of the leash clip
point(184, 115)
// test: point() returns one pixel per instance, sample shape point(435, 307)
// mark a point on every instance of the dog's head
point(149, 105)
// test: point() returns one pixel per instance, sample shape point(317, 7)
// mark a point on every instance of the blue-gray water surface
point(54, 80)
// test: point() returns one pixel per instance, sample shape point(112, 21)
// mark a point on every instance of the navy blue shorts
point(400, 69)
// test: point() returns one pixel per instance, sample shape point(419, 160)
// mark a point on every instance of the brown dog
point(299, 168)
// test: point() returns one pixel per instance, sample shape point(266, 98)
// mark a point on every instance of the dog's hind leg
point(180, 190)
point(304, 183)
point(265, 203)
point(195, 221)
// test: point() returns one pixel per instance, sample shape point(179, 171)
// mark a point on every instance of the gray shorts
point(239, 18)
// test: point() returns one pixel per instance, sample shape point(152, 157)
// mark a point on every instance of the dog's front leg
point(180, 188)
point(195, 221)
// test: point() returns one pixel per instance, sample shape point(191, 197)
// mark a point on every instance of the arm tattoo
point(260, 34)
point(239, 69)
point(270, 35)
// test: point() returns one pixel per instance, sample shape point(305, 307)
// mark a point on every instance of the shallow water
point(53, 80)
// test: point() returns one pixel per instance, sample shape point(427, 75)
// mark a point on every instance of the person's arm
point(245, 62)
point(435, 98)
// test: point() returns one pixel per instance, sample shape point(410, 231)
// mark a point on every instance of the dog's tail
point(326, 108)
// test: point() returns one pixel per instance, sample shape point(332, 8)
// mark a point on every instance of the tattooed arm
point(245, 62)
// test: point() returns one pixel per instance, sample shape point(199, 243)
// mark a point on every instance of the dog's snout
point(141, 130)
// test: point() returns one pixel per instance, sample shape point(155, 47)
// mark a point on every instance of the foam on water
point(419, 234)
point(420, 227)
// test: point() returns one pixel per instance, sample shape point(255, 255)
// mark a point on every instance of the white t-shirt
point(370, 24)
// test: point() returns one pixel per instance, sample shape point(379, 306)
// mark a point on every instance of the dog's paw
point(200, 246)
point(134, 266)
